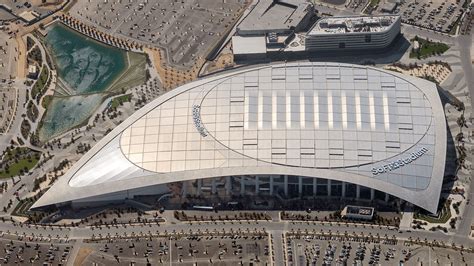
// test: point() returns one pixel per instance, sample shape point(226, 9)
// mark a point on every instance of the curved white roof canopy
point(344, 122)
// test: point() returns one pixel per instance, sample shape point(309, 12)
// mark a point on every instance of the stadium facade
point(353, 33)
point(292, 130)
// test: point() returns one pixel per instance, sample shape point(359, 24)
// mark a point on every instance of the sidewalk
point(407, 219)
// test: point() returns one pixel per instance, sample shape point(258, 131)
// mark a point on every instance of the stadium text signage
point(197, 120)
point(399, 163)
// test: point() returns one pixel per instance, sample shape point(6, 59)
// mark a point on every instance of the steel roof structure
point(344, 122)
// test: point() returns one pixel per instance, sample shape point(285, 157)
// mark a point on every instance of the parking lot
point(17, 252)
point(187, 30)
point(356, 5)
point(318, 250)
point(435, 15)
point(8, 54)
point(7, 104)
point(185, 250)
point(129, 250)
point(230, 249)
point(326, 250)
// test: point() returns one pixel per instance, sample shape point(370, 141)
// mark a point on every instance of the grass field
point(22, 207)
point(32, 111)
point(134, 75)
point(374, 3)
point(18, 160)
point(38, 88)
point(428, 48)
point(46, 101)
point(120, 99)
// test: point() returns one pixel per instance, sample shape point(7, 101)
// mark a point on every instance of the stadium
point(290, 130)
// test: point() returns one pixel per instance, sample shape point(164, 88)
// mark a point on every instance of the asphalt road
point(465, 44)
point(280, 226)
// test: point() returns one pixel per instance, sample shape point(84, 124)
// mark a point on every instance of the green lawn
point(11, 153)
point(15, 168)
point(428, 48)
point(443, 218)
point(38, 88)
point(22, 207)
point(46, 101)
point(374, 3)
point(115, 102)
point(23, 162)
point(32, 111)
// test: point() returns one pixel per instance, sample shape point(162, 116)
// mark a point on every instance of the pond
point(65, 113)
point(83, 64)
point(86, 69)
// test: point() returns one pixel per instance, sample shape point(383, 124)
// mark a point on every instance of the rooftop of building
point(270, 15)
point(249, 45)
point(352, 24)
point(5, 14)
point(29, 15)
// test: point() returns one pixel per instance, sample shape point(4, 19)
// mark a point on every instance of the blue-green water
point(85, 65)
point(66, 112)
point(86, 69)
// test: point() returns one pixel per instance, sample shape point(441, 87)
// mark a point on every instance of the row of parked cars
point(427, 15)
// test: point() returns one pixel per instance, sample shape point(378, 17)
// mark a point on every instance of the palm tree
point(461, 121)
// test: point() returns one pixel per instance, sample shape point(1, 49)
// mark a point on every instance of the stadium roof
point(343, 122)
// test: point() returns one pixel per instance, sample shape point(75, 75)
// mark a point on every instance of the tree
point(461, 121)
point(460, 137)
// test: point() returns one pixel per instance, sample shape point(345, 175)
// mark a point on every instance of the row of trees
point(247, 216)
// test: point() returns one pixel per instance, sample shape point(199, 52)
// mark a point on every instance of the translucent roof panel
point(350, 123)
point(356, 116)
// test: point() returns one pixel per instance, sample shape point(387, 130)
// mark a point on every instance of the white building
point(296, 130)
point(353, 33)
point(358, 212)
point(249, 48)
point(276, 16)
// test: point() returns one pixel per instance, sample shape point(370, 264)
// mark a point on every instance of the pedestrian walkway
point(278, 246)
point(74, 252)
point(407, 219)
